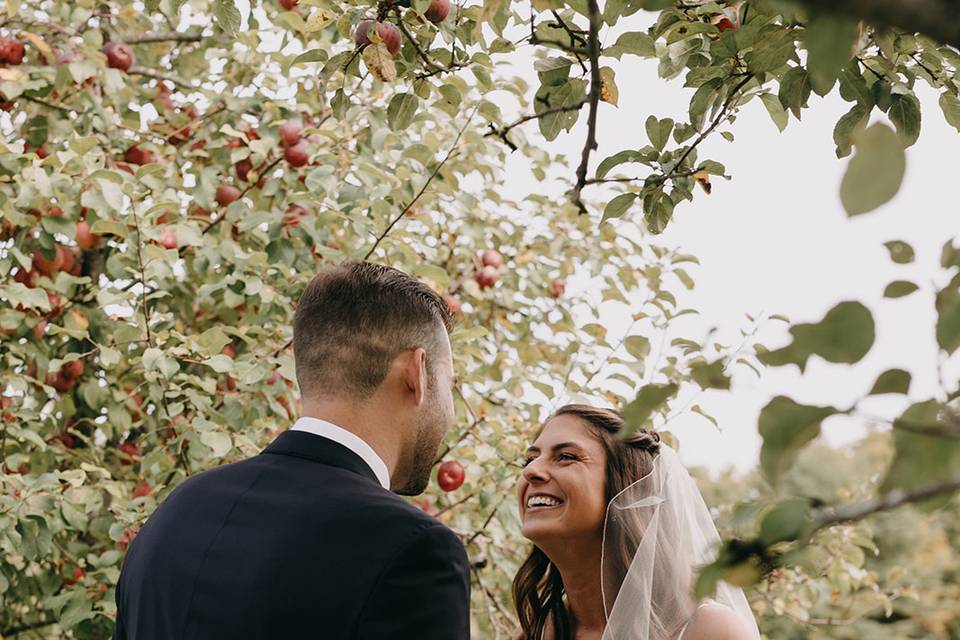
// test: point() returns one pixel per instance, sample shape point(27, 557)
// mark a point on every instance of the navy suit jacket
point(300, 541)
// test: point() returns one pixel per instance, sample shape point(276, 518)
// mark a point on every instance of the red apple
point(74, 368)
point(491, 258)
point(168, 239)
point(229, 351)
point(45, 266)
point(142, 489)
point(557, 288)
point(289, 4)
point(450, 475)
point(60, 381)
point(129, 534)
point(86, 240)
point(68, 440)
point(131, 452)
point(726, 24)
point(243, 167)
point(297, 155)
point(487, 277)
point(67, 259)
point(293, 215)
point(390, 35)
point(227, 193)
point(136, 155)
point(454, 306)
point(437, 11)
point(78, 575)
point(387, 31)
point(290, 132)
point(119, 55)
point(11, 51)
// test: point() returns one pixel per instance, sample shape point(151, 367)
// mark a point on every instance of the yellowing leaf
point(703, 179)
point(380, 62)
point(608, 87)
point(318, 20)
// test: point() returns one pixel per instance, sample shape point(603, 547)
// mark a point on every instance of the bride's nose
point(534, 472)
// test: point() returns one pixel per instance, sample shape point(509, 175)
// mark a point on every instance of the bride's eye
point(527, 461)
point(567, 456)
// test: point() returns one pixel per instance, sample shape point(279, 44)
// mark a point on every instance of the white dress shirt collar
point(350, 440)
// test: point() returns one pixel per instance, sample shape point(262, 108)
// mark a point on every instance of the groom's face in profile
point(435, 419)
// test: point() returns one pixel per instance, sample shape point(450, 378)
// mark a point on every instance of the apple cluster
point(388, 33)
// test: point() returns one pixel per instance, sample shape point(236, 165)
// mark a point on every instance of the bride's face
point(561, 489)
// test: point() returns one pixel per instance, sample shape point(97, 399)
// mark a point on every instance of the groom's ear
point(414, 374)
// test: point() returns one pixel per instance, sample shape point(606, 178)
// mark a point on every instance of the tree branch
point(593, 50)
point(170, 36)
point(433, 175)
point(935, 18)
point(503, 131)
point(827, 517)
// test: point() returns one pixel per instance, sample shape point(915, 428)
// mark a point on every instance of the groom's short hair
point(354, 319)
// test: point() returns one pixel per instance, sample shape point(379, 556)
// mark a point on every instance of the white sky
point(776, 239)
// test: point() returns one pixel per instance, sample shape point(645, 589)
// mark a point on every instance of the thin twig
point(423, 189)
point(593, 49)
point(172, 36)
point(503, 131)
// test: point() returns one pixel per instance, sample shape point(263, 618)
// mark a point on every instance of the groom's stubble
point(432, 424)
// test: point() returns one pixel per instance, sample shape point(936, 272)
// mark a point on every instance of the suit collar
point(301, 444)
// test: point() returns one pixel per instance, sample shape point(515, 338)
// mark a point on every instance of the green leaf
point(786, 427)
point(874, 174)
point(618, 206)
point(950, 104)
point(795, 90)
point(922, 460)
point(219, 363)
point(849, 123)
point(227, 16)
point(659, 131)
point(829, 39)
point(891, 381)
point(786, 522)
point(636, 43)
point(899, 289)
point(904, 112)
point(948, 316)
point(777, 113)
point(774, 47)
point(845, 335)
point(623, 157)
point(568, 94)
point(710, 376)
point(900, 251)
point(312, 55)
point(402, 110)
point(637, 346)
point(650, 398)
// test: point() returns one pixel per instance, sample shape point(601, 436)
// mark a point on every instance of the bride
point(618, 530)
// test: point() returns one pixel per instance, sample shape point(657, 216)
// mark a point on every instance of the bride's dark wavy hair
point(537, 587)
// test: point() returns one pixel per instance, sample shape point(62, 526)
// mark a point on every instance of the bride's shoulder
point(714, 621)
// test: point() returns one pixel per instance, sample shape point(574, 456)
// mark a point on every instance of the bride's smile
point(561, 489)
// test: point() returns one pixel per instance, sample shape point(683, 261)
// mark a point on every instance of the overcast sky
point(776, 239)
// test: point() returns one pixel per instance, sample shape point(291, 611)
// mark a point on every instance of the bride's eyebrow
point(556, 447)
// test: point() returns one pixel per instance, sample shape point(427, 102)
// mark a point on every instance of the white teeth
point(542, 501)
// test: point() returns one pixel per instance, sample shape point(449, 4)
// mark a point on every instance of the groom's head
point(373, 338)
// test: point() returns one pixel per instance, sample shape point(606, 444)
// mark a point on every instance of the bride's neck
point(580, 571)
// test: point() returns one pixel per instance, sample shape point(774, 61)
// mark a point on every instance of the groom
point(309, 539)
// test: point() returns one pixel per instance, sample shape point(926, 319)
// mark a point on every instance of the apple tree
point(173, 172)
